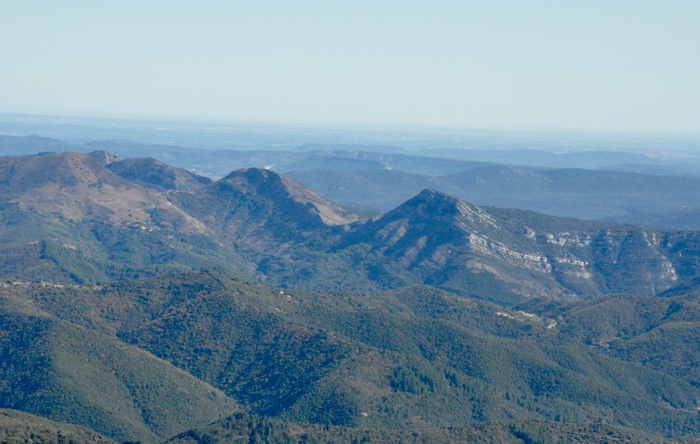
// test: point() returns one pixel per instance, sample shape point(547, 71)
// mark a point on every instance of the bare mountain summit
point(77, 187)
point(263, 211)
point(154, 173)
point(295, 197)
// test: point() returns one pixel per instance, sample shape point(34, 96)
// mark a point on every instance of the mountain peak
point(154, 173)
point(79, 187)
point(285, 194)
point(105, 157)
point(431, 203)
point(421, 224)
point(20, 173)
point(252, 174)
point(432, 195)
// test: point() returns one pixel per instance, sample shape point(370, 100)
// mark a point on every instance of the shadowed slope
point(68, 373)
point(21, 428)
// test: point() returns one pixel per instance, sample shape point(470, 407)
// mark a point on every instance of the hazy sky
point(592, 65)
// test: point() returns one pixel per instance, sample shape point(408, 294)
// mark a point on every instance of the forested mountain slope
point(18, 427)
point(411, 359)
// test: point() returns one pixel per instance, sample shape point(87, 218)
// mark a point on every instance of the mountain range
point(607, 185)
point(85, 222)
point(148, 303)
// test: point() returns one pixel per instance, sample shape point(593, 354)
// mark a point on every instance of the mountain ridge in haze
point(257, 219)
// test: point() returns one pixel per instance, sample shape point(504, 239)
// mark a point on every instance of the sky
point(610, 65)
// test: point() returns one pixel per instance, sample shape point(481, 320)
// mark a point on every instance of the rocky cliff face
point(530, 254)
